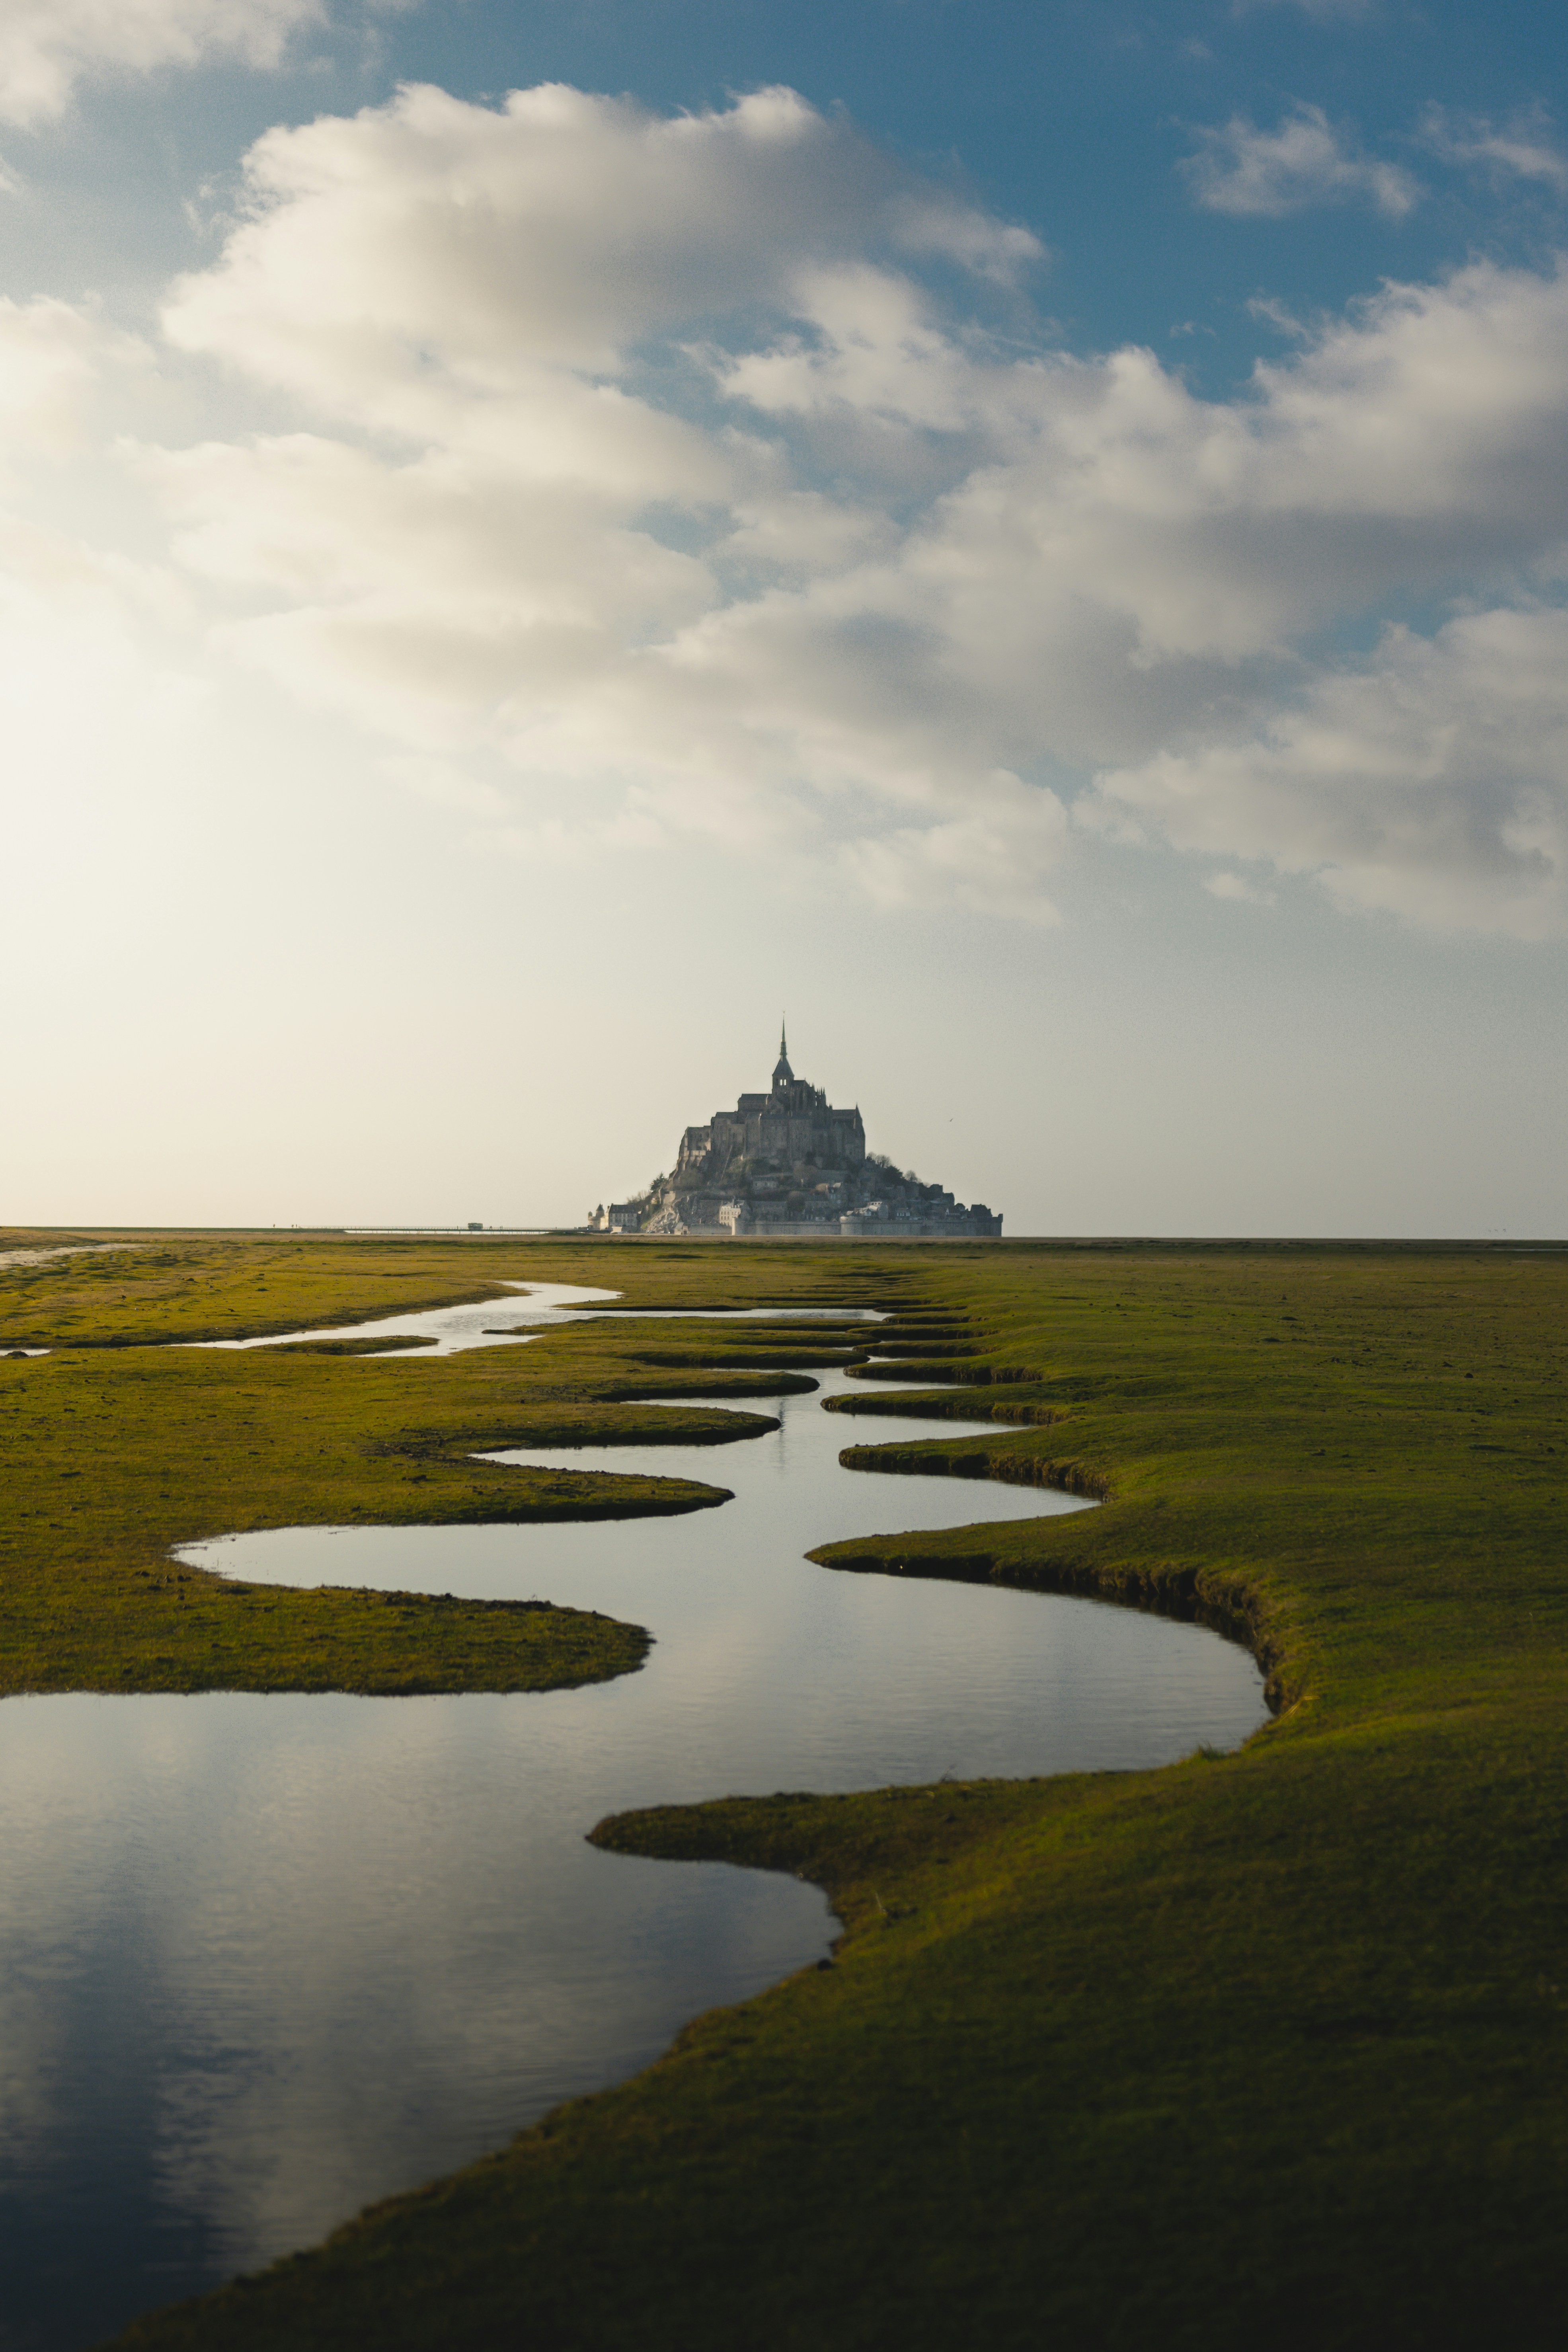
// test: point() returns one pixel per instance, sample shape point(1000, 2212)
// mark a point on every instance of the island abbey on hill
point(787, 1165)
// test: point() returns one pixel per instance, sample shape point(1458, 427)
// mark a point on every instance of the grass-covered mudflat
point(1260, 2049)
point(117, 1446)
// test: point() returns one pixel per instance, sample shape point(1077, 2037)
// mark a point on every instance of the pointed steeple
point(783, 1075)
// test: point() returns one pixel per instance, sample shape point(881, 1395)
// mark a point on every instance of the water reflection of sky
point(491, 1321)
point(453, 1328)
point(264, 1958)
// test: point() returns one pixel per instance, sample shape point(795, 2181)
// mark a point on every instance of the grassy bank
point(1268, 2047)
point(117, 1447)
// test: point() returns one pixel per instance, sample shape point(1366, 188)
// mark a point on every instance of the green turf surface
point(117, 1447)
point(1267, 2048)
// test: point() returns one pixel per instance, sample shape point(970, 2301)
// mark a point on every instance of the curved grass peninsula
point(124, 1436)
point(1259, 2048)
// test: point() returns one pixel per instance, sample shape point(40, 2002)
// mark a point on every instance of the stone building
point(786, 1164)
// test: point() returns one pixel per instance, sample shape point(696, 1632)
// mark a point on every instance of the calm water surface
point(264, 1958)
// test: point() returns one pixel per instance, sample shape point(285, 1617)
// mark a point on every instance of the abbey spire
point(787, 1164)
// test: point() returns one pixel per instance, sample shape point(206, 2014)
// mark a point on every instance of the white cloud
point(479, 289)
point(1521, 149)
point(635, 484)
point(97, 708)
point(556, 231)
point(1237, 889)
point(48, 47)
point(993, 858)
point(446, 785)
point(1239, 169)
point(1429, 782)
point(53, 357)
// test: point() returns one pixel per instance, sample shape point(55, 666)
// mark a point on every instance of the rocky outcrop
point(786, 1165)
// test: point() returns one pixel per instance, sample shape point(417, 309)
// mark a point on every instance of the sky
point(1031, 536)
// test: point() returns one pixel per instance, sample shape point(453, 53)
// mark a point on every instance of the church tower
point(786, 1163)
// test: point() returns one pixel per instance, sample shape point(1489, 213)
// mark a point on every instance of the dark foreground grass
point(1270, 2048)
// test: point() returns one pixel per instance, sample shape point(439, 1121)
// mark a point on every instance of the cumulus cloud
point(657, 465)
point(91, 636)
point(1237, 889)
point(48, 47)
point(475, 295)
point(1428, 781)
point(53, 357)
point(97, 706)
point(990, 858)
point(555, 231)
point(1305, 161)
point(1521, 149)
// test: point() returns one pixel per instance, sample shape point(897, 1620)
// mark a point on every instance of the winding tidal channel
point(263, 1959)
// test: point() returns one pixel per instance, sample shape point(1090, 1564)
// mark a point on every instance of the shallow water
point(262, 1960)
point(453, 1327)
